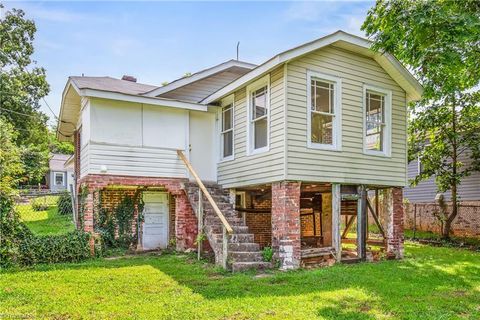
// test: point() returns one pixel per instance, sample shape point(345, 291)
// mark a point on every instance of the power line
point(19, 113)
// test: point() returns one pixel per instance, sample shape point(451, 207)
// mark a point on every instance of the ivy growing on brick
point(115, 227)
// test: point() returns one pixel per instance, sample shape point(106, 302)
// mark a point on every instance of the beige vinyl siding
point(258, 168)
point(350, 165)
point(200, 89)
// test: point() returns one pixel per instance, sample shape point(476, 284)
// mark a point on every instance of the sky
point(161, 41)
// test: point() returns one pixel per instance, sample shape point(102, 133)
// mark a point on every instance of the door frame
point(168, 214)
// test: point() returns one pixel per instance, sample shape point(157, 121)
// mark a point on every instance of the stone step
point(244, 266)
point(210, 220)
point(245, 256)
point(243, 246)
point(235, 238)
point(217, 228)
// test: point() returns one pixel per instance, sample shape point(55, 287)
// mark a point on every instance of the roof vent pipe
point(129, 78)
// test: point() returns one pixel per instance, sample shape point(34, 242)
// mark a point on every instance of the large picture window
point(258, 114)
point(324, 111)
point(377, 121)
point(227, 130)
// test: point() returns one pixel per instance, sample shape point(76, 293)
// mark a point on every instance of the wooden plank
point(375, 217)
point(362, 225)
point(348, 226)
point(205, 191)
point(336, 239)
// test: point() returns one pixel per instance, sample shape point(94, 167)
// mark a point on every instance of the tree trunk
point(447, 226)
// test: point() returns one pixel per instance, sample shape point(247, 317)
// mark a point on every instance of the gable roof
point(57, 162)
point(341, 39)
point(184, 81)
point(111, 84)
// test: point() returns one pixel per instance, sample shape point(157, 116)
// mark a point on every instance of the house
point(422, 208)
point(426, 191)
point(282, 154)
point(59, 176)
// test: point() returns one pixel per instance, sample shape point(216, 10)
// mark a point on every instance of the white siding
point(134, 139)
point(203, 144)
point(350, 165)
point(263, 167)
point(135, 161)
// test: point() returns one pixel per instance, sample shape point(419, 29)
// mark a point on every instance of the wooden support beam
point(336, 210)
point(200, 223)
point(348, 226)
point(375, 217)
point(362, 224)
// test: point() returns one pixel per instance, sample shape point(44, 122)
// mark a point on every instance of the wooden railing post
point(200, 223)
point(224, 247)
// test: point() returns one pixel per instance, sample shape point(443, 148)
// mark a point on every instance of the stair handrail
point(202, 187)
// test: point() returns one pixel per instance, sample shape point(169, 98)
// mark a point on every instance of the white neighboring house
point(60, 174)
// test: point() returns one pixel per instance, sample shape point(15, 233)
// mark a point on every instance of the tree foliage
point(21, 91)
point(440, 42)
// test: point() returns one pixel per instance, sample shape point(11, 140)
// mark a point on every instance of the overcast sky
point(161, 41)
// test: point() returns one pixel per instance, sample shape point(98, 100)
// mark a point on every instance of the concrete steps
point(243, 253)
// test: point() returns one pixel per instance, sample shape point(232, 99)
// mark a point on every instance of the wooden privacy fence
point(424, 217)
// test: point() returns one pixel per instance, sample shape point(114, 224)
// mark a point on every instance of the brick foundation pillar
point(185, 223)
point(286, 223)
point(88, 218)
point(393, 199)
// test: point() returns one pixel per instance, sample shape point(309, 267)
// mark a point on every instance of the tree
point(63, 147)
point(21, 91)
point(440, 42)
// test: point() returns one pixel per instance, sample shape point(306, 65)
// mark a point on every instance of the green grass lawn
point(45, 222)
point(431, 283)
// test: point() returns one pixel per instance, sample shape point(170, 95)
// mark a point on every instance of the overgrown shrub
point(39, 204)
point(267, 254)
point(64, 204)
point(70, 247)
point(20, 247)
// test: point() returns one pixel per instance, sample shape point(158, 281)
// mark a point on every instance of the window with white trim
point(59, 178)
point(324, 111)
point(377, 121)
point(227, 131)
point(258, 115)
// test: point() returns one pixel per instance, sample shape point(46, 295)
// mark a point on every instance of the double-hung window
point(324, 111)
point(226, 133)
point(59, 178)
point(258, 115)
point(377, 121)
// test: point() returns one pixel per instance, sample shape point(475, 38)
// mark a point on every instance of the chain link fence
point(425, 217)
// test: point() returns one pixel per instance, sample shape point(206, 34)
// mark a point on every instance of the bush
point(64, 204)
point(70, 247)
point(39, 204)
point(20, 247)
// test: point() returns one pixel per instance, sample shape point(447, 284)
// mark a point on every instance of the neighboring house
point(59, 176)
point(425, 191)
point(286, 149)
point(421, 212)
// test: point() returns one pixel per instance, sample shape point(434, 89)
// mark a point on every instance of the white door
point(155, 225)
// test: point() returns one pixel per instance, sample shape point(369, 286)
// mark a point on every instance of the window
point(377, 121)
point(324, 111)
point(227, 135)
point(258, 115)
point(420, 165)
point(59, 178)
